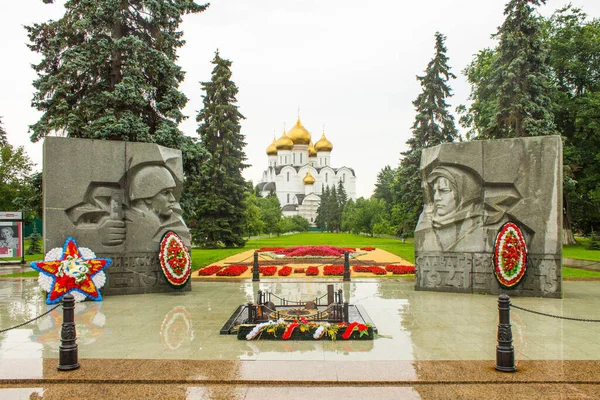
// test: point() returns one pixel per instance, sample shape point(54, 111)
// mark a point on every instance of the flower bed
point(369, 269)
point(304, 330)
point(400, 269)
point(306, 251)
point(210, 270)
point(299, 270)
point(378, 271)
point(361, 268)
point(367, 248)
point(268, 271)
point(232, 270)
point(284, 271)
point(312, 271)
point(333, 270)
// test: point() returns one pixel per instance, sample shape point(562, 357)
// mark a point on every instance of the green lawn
point(579, 251)
point(579, 273)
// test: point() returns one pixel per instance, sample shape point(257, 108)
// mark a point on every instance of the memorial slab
point(471, 191)
point(118, 199)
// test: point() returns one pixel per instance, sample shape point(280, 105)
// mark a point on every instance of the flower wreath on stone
point(175, 260)
point(510, 255)
point(71, 269)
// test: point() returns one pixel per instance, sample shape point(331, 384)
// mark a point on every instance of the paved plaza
point(169, 346)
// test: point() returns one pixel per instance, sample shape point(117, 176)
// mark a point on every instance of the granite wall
point(486, 184)
point(118, 199)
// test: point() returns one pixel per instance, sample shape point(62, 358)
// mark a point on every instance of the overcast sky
point(346, 64)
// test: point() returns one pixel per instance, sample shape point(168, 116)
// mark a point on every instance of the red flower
point(284, 271)
point(367, 248)
point(337, 270)
point(303, 251)
point(233, 270)
point(268, 271)
point(209, 270)
point(299, 270)
point(378, 271)
point(400, 269)
point(348, 331)
point(288, 331)
point(312, 271)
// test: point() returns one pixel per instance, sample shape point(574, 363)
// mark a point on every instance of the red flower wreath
point(175, 260)
point(510, 255)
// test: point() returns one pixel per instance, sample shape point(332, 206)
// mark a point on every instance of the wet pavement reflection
point(412, 325)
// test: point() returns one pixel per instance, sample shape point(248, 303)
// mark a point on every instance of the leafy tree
point(292, 224)
point(30, 200)
point(574, 44)
point(481, 114)
point(220, 189)
point(252, 215)
point(15, 169)
point(348, 216)
point(270, 212)
point(299, 224)
point(108, 70)
point(366, 214)
point(433, 125)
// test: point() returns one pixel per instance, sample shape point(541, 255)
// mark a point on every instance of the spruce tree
point(333, 207)
point(521, 75)
point(433, 125)
point(220, 205)
point(3, 139)
point(342, 198)
point(108, 70)
point(323, 210)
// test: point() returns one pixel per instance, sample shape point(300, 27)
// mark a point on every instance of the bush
point(312, 271)
point(284, 271)
point(594, 243)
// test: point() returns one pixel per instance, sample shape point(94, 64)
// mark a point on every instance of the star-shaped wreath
point(71, 272)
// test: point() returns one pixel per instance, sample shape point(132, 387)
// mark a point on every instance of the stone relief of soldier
point(452, 217)
point(135, 223)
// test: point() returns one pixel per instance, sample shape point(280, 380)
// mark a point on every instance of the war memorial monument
point(492, 218)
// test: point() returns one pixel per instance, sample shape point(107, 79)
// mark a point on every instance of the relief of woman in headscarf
point(453, 213)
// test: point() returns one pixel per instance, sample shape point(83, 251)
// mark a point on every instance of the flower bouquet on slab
point(305, 330)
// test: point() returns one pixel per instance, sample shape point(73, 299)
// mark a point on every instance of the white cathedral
point(299, 170)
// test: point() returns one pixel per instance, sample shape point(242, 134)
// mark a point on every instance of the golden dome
point(323, 144)
point(299, 134)
point(311, 150)
point(308, 179)
point(272, 150)
point(284, 143)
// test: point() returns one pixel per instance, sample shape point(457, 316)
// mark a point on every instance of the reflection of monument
point(472, 189)
point(117, 198)
point(176, 328)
